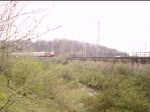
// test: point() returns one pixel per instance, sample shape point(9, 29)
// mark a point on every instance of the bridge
point(134, 57)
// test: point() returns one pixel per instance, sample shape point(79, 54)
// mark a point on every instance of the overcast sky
point(124, 25)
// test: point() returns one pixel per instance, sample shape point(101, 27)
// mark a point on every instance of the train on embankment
point(34, 54)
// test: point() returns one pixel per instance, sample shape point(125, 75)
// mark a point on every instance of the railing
point(140, 54)
point(131, 54)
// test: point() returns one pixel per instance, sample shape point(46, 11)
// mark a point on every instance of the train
point(35, 54)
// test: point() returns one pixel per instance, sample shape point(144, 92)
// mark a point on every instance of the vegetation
point(54, 85)
point(57, 85)
point(64, 47)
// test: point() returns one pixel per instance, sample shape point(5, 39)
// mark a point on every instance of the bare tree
point(16, 26)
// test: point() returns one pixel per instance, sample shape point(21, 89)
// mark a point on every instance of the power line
point(98, 38)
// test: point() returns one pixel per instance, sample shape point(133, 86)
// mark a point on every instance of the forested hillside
point(64, 47)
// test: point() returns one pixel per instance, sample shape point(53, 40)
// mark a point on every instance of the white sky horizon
point(124, 25)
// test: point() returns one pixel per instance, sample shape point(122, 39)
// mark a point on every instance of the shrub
point(27, 70)
point(123, 69)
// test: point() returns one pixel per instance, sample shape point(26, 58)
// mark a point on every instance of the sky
point(124, 25)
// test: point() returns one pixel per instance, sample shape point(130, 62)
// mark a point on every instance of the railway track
point(76, 58)
point(143, 60)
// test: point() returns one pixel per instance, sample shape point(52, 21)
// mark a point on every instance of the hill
point(63, 47)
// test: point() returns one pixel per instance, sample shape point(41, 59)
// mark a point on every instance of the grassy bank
point(56, 85)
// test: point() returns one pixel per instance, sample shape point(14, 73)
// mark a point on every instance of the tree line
point(64, 47)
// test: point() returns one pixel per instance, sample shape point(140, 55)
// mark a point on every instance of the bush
point(123, 69)
point(27, 70)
